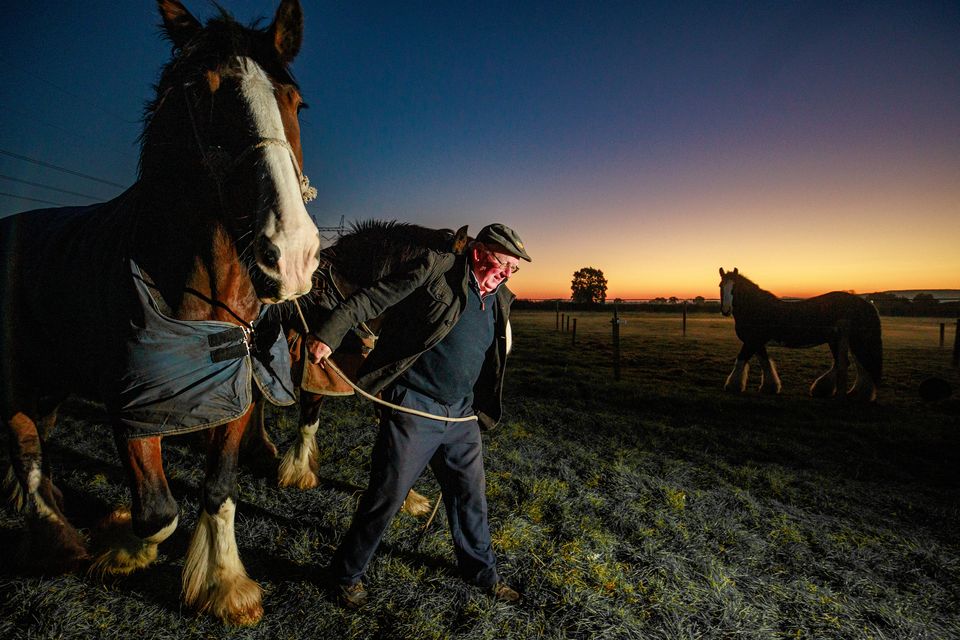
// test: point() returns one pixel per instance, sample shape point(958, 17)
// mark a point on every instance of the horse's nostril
point(269, 252)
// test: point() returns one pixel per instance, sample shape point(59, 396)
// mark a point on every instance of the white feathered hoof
point(416, 504)
point(237, 602)
point(120, 551)
point(300, 463)
point(214, 579)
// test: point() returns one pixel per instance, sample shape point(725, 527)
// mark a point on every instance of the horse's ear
point(721, 272)
point(735, 271)
point(178, 23)
point(287, 30)
point(460, 240)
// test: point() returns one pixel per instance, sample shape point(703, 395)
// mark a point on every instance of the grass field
point(653, 507)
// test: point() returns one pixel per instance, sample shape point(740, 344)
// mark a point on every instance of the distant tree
point(618, 301)
point(925, 301)
point(589, 285)
point(885, 296)
point(659, 300)
point(673, 300)
point(699, 300)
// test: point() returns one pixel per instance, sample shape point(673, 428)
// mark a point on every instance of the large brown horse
point(149, 302)
point(847, 323)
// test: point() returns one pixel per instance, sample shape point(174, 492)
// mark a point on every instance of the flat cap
point(504, 236)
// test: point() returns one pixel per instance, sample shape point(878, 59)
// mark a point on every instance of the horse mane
point(373, 248)
point(747, 286)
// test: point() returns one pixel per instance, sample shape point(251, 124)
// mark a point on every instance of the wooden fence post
point(943, 328)
point(563, 317)
point(573, 338)
point(684, 317)
point(558, 316)
point(567, 328)
point(616, 343)
point(956, 345)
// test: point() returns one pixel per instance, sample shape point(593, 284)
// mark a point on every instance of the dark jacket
point(420, 304)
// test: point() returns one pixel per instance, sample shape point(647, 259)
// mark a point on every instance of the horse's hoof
point(52, 546)
point(416, 504)
point(121, 551)
point(238, 603)
point(301, 479)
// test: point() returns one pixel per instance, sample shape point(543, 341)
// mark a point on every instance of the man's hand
point(317, 350)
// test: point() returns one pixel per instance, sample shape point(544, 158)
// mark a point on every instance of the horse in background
point(125, 300)
point(842, 320)
point(371, 250)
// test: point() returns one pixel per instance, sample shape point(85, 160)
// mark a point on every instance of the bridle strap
point(220, 165)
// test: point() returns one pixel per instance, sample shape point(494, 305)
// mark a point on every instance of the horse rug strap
point(183, 376)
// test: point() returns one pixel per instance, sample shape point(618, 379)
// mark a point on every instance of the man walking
point(442, 351)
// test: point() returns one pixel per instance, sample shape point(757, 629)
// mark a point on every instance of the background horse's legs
point(864, 388)
point(51, 542)
point(299, 465)
point(826, 385)
point(214, 579)
point(737, 380)
point(769, 378)
point(129, 538)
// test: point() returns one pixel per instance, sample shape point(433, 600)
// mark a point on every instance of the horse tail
point(866, 340)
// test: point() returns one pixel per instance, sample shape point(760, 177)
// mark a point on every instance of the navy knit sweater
point(448, 371)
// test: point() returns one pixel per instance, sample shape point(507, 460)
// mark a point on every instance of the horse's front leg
point(129, 539)
point(214, 579)
point(51, 543)
point(769, 378)
point(300, 463)
point(737, 380)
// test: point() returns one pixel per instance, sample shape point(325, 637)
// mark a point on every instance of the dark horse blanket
point(174, 376)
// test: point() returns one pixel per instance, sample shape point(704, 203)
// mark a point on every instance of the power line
point(46, 186)
point(10, 195)
point(55, 167)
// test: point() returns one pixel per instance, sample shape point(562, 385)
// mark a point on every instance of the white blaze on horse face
point(726, 296)
point(288, 225)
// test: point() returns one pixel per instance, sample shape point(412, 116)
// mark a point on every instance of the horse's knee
point(310, 406)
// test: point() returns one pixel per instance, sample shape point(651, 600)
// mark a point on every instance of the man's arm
point(369, 302)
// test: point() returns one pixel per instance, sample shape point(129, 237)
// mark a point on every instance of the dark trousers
point(405, 445)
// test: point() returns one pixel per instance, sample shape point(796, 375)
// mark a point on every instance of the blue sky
point(816, 145)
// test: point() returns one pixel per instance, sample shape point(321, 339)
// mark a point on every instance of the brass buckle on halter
point(236, 342)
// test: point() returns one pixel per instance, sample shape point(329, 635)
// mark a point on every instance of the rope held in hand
point(423, 414)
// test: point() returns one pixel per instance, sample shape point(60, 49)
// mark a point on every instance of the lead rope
point(423, 414)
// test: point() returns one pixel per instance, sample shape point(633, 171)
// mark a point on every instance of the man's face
point(492, 267)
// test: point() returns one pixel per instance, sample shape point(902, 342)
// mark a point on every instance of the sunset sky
point(814, 145)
